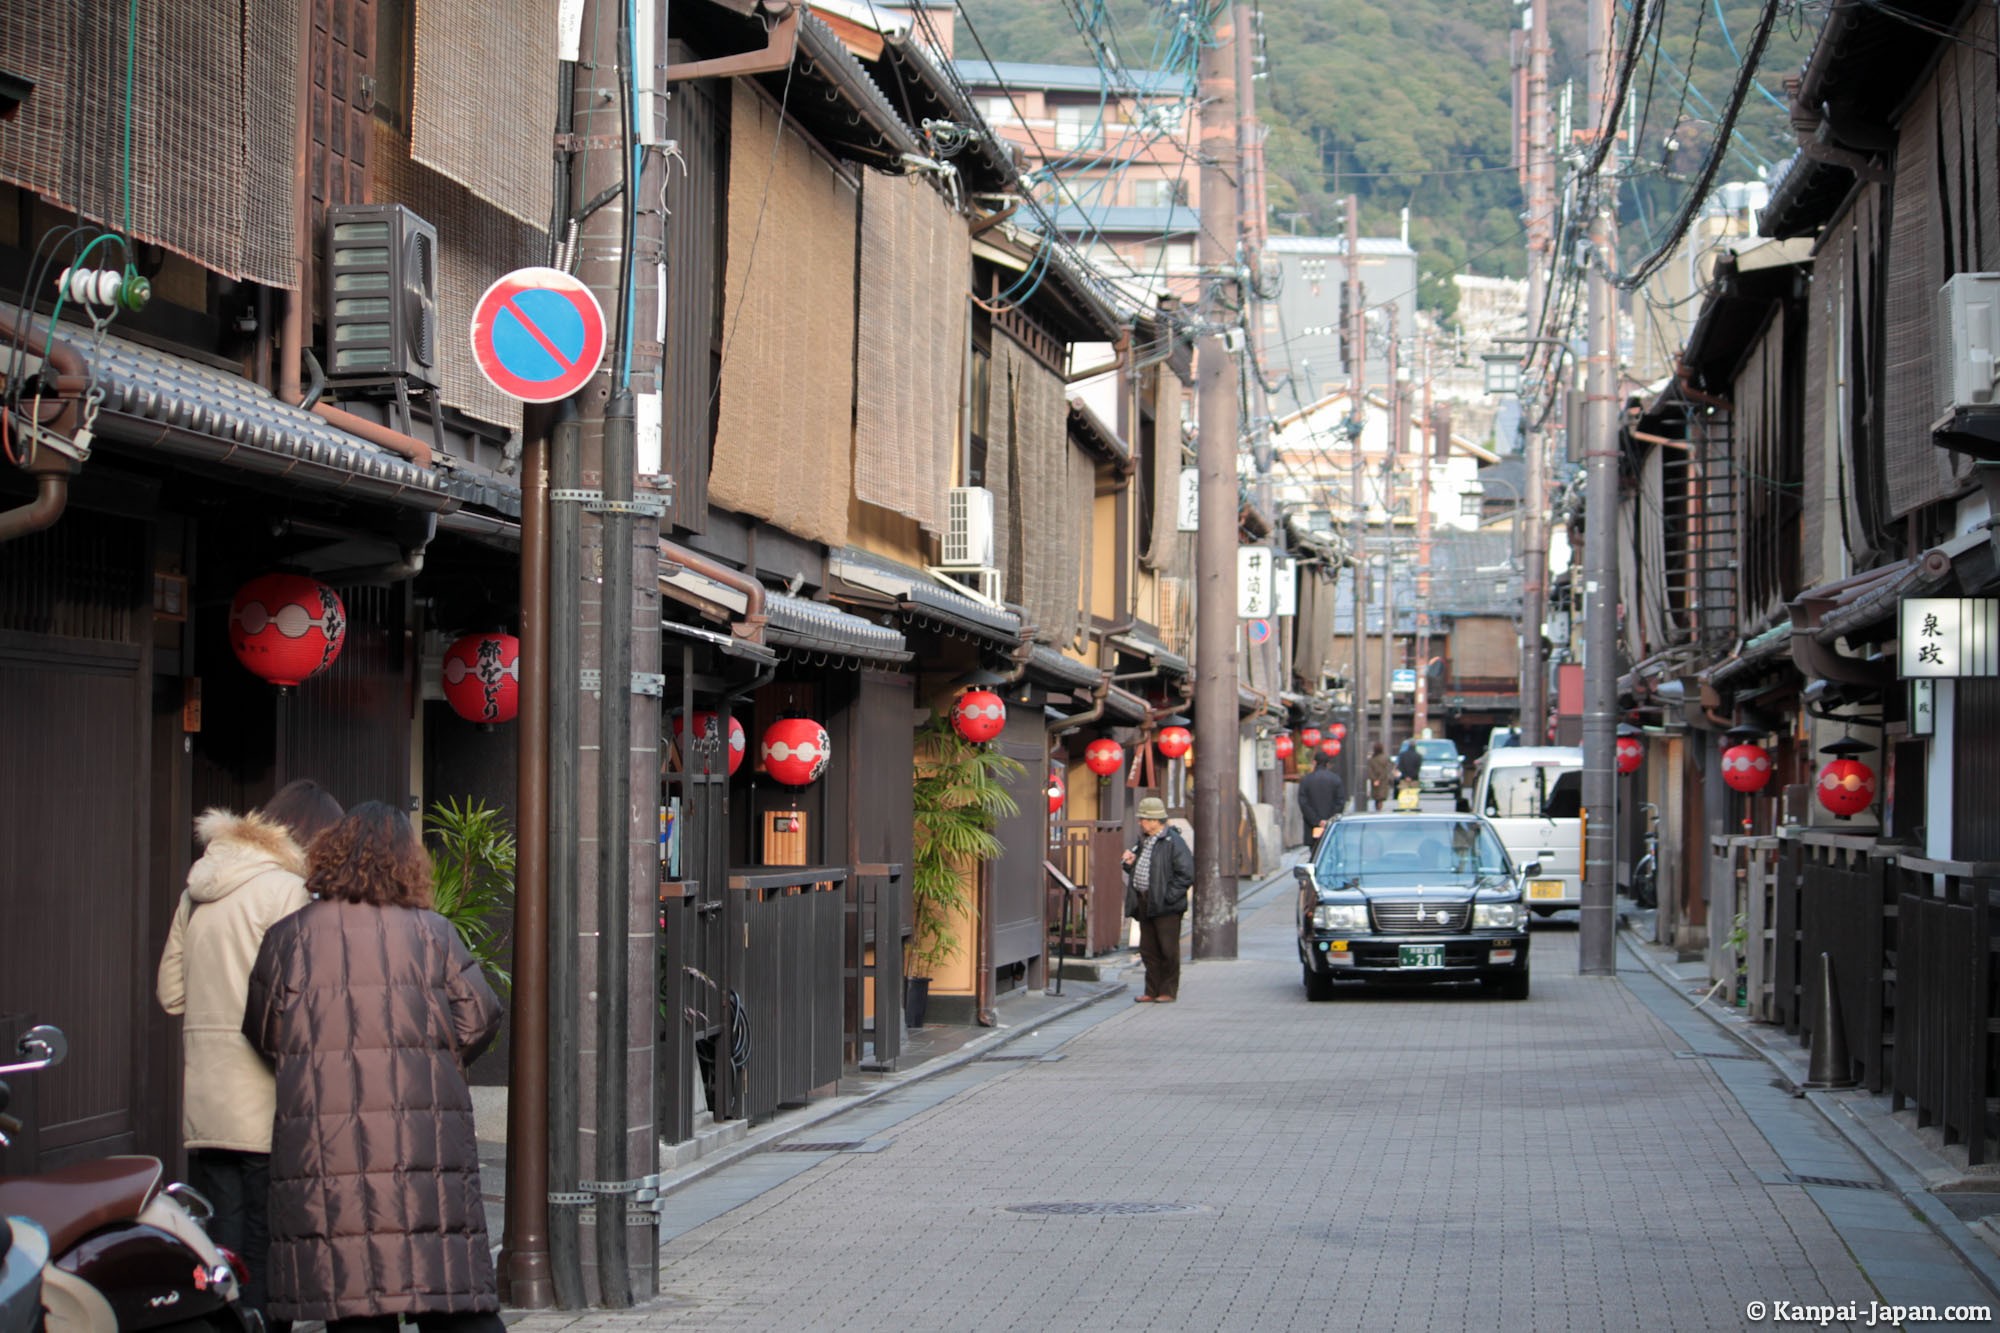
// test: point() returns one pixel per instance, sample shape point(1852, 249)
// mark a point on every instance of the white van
point(1533, 796)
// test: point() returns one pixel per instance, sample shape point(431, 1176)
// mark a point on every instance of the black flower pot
point(916, 999)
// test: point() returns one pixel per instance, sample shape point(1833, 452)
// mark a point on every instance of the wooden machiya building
point(160, 459)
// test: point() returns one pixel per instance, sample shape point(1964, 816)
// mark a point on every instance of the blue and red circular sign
point(538, 334)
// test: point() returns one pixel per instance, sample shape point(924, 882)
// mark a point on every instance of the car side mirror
point(1304, 875)
point(1530, 870)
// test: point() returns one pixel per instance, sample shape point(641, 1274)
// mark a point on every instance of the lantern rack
point(652, 684)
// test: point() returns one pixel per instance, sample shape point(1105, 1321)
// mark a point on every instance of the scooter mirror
point(40, 1047)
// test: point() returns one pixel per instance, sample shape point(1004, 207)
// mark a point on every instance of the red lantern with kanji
point(979, 716)
point(1103, 756)
point(1846, 787)
point(1340, 731)
point(1309, 736)
point(1330, 747)
point(286, 627)
point(1175, 741)
point(482, 677)
point(795, 751)
point(1746, 767)
point(1282, 745)
point(1630, 754)
point(708, 743)
point(1056, 791)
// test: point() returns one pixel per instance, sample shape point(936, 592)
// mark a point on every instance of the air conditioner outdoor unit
point(1967, 355)
point(968, 537)
point(381, 295)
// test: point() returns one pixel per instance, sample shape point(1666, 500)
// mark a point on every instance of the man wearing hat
point(1159, 871)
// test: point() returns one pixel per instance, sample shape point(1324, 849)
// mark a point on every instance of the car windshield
point(1534, 791)
point(1438, 749)
point(1362, 849)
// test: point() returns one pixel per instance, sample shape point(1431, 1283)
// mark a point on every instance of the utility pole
point(1540, 172)
point(1427, 455)
point(1274, 664)
point(1357, 389)
point(1596, 946)
point(1217, 730)
point(1397, 436)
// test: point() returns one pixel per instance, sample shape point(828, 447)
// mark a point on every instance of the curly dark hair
point(371, 856)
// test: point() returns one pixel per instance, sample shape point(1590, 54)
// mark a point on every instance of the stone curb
point(1902, 1177)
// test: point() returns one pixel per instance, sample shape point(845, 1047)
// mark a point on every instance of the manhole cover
point(1834, 1181)
point(1101, 1209)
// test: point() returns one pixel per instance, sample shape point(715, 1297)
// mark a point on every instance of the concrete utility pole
point(1216, 729)
point(1427, 456)
point(1540, 172)
point(1397, 435)
point(1596, 947)
point(1273, 657)
point(1357, 390)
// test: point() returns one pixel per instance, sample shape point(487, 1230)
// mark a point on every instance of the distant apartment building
point(1302, 337)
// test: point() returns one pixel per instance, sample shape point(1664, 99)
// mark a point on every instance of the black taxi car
point(1413, 897)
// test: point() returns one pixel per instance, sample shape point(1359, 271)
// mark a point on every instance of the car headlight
point(1498, 916)
point(1451, 770)
point(1341, 916)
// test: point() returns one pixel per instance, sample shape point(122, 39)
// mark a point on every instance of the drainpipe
point(292, 330)
point(50, 469)
point(752, 625)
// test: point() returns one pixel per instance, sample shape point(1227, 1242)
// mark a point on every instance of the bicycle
point(1646, 875)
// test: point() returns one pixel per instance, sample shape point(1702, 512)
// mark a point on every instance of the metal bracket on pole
point(652, 684)
point(644, 506)
point(645, 1208)
point(571, 495)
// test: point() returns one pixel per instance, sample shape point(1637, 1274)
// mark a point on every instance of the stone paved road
point(1387, 1161)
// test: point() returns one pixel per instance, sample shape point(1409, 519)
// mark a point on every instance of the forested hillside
point(1407, 103)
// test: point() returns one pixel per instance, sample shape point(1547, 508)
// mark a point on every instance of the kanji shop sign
point(1947, 637)
point(1256, 594)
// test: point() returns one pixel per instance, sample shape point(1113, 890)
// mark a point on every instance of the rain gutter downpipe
point(50, 469)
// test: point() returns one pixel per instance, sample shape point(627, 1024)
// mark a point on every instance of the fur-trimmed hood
point(239, 848)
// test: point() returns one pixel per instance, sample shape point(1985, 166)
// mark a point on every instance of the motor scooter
point(124, 1252)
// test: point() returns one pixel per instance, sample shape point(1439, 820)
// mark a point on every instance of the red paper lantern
point(1746, 767)
point(1340, 731)
point(1310, 736)
point(708, 742)
point(482, 677)
point(1847, 787)
point(1282, 744)
point(1330, 746)
point(1103, 756)
point(1056, 791)
point(286, 627)
point(795, 751)
point(1175, 741)
point(979, 716)
point(1630, 754)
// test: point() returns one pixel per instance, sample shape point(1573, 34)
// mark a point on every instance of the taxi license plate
point(1420, 955)
point(1545, 888)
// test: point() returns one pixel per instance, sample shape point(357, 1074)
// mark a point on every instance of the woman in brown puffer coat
point(371, 1008)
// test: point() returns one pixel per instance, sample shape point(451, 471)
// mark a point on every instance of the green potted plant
point(472, 877)
point(960, 792)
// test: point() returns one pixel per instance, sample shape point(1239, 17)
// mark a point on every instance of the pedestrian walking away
point(1159, 871)
point(1322, 797)
point(1381, 774)
point(250, 876)
point(371, 1008)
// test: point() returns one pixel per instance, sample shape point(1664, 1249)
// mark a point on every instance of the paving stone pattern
point(1412, 1160)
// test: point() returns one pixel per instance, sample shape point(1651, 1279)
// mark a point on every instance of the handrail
point(782, 878)
point(1924, 865)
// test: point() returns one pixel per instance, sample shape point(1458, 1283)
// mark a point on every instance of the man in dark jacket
point(1322, 796)
point(1410, 762)
point(1159, 871)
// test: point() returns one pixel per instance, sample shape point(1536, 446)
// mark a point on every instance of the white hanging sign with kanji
point(1256, 595)
point(1948, 637)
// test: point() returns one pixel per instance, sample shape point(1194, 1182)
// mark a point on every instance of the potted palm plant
point(472, 877)
point(960, 793)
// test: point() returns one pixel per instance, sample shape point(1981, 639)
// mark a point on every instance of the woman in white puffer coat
point(251, 875)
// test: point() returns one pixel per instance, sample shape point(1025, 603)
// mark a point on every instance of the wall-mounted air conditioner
point(381, 295)
point(1968, 346)
point(968, 537)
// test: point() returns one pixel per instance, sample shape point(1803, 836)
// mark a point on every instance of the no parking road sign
point(538, 334)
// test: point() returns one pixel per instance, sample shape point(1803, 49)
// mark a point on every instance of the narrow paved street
point(1248, 1160)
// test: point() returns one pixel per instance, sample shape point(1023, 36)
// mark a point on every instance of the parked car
point(1402, 897)
point(1533, 795)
